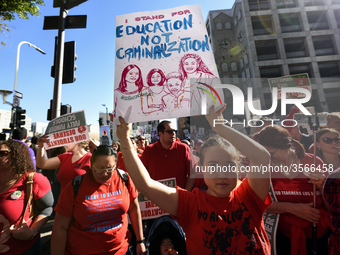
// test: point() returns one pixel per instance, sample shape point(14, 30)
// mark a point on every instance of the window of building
point(262, 25)
point(248, 73)
point(236, 79)
point(233, 66)
point(219, 26)
point(323, 45)
point(301, 68)
point(269, 72)
point(227, 25)
point(241, 63)
point(317, 20)
point(239, 15)
point(285, 4)
point(295, 48)
point(245, 60)
point(290, 22)
point(257, 5)
point(313, 2)
point(266, 50)
point(329, 71)
point(337, 17)
point(224, 67)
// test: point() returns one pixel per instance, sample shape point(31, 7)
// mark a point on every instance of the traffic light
point(70, 57)
point(101, 121)
point(19, 117)
point(65, 109)
point(69, 66)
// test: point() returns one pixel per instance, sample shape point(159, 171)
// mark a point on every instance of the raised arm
point(259, 157)
point(51, 163)
point(163, 196)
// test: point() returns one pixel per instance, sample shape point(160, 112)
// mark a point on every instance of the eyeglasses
point(4, 153)
point(107, 170)
point(329, 140)
point(170, 131)
point(141, 139)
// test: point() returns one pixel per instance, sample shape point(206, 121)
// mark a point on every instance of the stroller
point(165, 227)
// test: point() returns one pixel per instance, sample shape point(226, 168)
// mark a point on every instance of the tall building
point(261, 39)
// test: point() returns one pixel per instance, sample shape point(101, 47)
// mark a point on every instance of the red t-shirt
point(120, 161)
point(170, 163)
point(100, 215)
point(11, 208)
point(231, 225)
point(299, 190)
point(68, 170)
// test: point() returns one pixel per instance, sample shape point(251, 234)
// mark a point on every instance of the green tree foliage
point(10, 8)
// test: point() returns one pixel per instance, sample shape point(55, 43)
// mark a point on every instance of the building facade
point(261, 39)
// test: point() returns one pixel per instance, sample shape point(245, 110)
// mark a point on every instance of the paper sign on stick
point(67, 129)
point(164, 65)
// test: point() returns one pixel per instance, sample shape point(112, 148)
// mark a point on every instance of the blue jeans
point(35, 248)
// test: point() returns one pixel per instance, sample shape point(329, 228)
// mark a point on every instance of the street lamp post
point(16, 73)
point(107, 115)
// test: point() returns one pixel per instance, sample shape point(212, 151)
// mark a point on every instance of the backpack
point(78, 180)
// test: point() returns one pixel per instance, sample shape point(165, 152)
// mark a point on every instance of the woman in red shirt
point(294, 192)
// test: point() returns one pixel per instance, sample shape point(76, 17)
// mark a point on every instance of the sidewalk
point(45, 235)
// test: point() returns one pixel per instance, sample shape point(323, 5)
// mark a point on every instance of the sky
point(95, 48)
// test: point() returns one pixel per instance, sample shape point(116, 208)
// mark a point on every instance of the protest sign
point(105, 137)
point(67, 129)
point(297, 80)
point(270, 223)
point(164, 65)
point(148, 209)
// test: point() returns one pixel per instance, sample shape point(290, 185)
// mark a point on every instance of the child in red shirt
point(225, 219)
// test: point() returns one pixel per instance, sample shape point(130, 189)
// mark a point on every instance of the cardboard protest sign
point(271, 222)
point(105, 137)
point(67, 129)
point(297, 80)
point(148, 209)
point(164, 65)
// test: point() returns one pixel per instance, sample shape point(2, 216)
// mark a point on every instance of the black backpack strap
point(76, 184)
point(124, 176)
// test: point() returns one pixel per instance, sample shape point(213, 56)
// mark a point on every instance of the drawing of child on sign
point(131, 81)
point(151, 97)
point(192, 66)
point(178, 96)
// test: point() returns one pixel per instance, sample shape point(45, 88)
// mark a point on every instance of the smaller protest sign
point(67, 129)
point(297, 80)
point(105, 137)
point(270, 224)
point(148, 209)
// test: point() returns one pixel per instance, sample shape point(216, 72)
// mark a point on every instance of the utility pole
point(59, 62)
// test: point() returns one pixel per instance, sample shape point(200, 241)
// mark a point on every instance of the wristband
point(140, 241)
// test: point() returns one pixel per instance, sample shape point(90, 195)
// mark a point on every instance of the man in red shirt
point(166, 159)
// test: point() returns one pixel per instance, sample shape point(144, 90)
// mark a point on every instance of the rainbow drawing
point(208, 92)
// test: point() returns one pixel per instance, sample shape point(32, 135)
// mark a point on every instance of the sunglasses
point(170, 131)
point(141, 139)
point(329, 140)
point(4, 153)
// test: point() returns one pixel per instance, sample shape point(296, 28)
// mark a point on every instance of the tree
point(9, 8)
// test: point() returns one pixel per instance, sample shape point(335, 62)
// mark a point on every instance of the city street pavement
point(45, 235)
